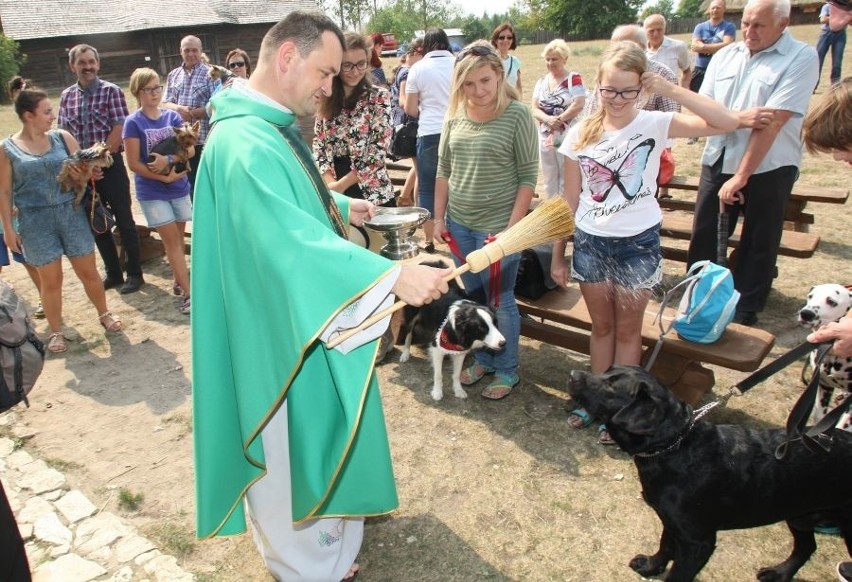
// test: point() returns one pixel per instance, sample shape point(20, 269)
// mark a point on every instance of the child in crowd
point(611, 167)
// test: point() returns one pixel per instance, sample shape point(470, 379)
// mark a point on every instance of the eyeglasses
point(152, 90)
point(478, 50)
point(236, 64)
point(505, 38)
point(626, 94)
point(349, 67)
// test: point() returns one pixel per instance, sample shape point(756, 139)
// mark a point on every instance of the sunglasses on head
point(236, 64)
point(477, 51)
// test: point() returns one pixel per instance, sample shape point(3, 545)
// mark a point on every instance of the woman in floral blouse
point(353, 130)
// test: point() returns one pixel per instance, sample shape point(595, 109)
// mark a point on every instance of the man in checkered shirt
point(188, 89)
point(93, 110)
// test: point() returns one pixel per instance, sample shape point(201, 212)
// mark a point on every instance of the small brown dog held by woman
point(49, 224)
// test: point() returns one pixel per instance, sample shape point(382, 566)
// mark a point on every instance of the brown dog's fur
point(97, 156)
point(178, 146)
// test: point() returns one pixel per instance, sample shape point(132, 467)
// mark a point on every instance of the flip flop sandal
point(604, 437)
point(56, 343)
point(581, 413)
point(501, 386)
point(473, 374)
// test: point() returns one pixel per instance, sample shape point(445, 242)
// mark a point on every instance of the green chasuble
point(269, 272)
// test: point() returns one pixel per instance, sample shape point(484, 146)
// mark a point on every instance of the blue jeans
point(427, 168)
point(477, 286)
point(836, 41)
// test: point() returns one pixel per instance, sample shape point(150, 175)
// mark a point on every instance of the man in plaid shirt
point(188, 89)
point(93, 110)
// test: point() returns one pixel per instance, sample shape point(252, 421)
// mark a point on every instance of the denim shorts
point(4, 253)
point(162, 212)
point(633, 262)
point(48, 232)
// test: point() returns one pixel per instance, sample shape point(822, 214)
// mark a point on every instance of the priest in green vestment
point(279, 418)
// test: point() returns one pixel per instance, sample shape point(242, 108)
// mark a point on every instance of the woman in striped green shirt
point(487, 171)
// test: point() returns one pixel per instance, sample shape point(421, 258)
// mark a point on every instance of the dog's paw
point(459, 392)
point(773, 574)
point(437, 394)
point(646, 565)
point(404, 356)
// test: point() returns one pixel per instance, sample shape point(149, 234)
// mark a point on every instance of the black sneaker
point(111, 282)
point(132, 284)
point(745, 318)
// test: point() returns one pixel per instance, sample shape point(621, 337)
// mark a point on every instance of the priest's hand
point(360, 210)
point(420, 284)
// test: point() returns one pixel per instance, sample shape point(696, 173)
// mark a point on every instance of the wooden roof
point(29, 19)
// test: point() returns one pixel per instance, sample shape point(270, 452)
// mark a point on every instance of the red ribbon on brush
point(493, 269)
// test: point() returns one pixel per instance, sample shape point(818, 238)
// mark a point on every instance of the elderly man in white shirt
point(668, 51)
point(768, 77)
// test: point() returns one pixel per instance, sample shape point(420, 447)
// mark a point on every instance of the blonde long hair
point(474, 56)
point(623, 56)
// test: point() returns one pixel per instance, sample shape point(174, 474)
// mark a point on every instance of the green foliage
point(664, 7)
point(590, 19)
point(690, 9)
point(403, 17)
point(11, 61)
point(129, 501)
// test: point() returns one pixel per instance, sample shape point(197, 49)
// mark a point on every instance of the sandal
point(185, 306)
point(39, 311)
point(177, 289)
point(604, 438)
point(110, 322)
point(501, 386)
point(581, 414)
point(56, 343)
point(473, 374)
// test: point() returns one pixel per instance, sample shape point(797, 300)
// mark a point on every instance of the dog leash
point(816, 438)
point(493, 269)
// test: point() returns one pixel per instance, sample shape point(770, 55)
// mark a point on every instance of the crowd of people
point(603, 144)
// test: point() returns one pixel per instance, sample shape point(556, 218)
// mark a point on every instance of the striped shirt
point(193, 89)
point(91, 113)
point(485, 164)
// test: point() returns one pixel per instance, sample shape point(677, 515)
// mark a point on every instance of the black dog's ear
point(641, 416)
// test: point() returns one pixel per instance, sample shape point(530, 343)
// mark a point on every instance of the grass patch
point(129, 501)
point(62, 465)
point(176, 539)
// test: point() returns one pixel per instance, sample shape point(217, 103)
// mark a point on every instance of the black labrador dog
point(701, 478)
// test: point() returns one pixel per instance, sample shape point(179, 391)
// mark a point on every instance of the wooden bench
point(796, 217)
point(561, 318)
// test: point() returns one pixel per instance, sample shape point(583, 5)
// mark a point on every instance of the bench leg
point(687, 379)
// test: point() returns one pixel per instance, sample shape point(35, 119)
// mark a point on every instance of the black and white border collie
point(450, 326)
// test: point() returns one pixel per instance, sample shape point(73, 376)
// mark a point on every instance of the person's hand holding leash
point(731, 191)
point(839, 331)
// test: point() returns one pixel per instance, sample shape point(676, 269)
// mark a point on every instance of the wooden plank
point(800, 191)
point(740, 348)
point(793, 243)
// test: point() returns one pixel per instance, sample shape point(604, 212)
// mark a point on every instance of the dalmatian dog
point(827, 303)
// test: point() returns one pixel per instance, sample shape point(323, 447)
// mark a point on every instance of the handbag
point(404, 141)
point(100, 219)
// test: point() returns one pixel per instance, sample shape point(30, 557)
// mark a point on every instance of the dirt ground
point(488, 490)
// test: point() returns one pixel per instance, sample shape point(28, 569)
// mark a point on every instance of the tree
point(586, 18)
point(403, 17)
point(11, 61)
point(690, 9)
point(664, 7)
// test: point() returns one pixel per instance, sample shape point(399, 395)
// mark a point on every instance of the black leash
point(816, 438)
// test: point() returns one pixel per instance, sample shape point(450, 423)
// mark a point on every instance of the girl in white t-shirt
point(611, 166)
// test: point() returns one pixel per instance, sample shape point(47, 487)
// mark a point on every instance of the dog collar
point(696, 414)
point(443, 342)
